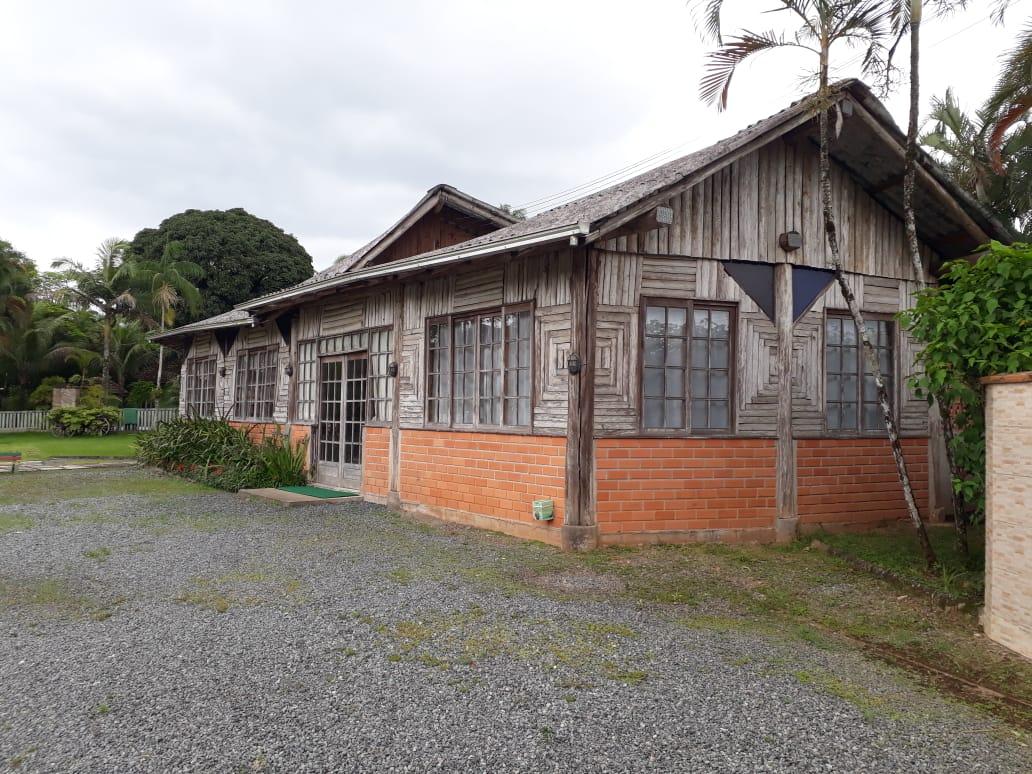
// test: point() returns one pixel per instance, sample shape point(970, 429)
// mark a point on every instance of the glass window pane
point(834, 360)
point(654, 381)
point(849, 387)
point(675, 352)
point(718, 354)
point(720, 323)
point(873, 416)
point(700, 354)
point(870, 388)
point(700, 420)
point(674, 382)
point(834, 387)
point(849, 416)
point(848, 332)
point(849, 360)
point(676, 319)
point(718, 384)
point(700, 323)
point(674, 414)
point(834, 416)
point(655, 320)
point(699, 384)
point(833, 330)
point(719, 416)
point(654, 355)
point(653, 412)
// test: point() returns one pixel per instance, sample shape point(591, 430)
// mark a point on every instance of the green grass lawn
point(898, 551)
point(43, 446)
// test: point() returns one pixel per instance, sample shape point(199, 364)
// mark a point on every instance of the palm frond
point(722, 63)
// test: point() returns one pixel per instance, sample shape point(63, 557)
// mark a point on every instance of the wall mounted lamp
point(790, 240)
point(573, 363)
point(392, 369)
point(222, 370)
point(289, 370)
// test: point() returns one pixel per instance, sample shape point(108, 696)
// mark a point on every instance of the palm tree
point(106, 288)
point(1011, 99)
point(27, 344)
point(131, 350)
point(822, 24)
point(170, 285)
point(959, 143)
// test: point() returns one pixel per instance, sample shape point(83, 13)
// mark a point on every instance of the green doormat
point(316, 491)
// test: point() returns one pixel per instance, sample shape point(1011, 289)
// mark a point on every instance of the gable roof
point(591, 217)
point(440, 195)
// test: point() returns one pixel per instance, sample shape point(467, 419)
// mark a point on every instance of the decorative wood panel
point(379, 309)
point(479, 288)
point(807, 373)
point(668, 277)
point(309, 322)
point(619, 275)
point(254, 337)
point(553, 343)
point(616, 370)
point(342, 316)
point(521, 279)
point(410, 379)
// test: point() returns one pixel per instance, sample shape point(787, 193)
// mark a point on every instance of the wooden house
point(665, 360)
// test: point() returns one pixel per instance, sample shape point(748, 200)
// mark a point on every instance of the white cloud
point(331, 119)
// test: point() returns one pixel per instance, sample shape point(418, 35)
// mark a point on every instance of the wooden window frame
point(299, 382)
point(689, 305)
point(239, 412)
point(371, 374)
point(192, 389)
point(859, 431)
point(449, 320)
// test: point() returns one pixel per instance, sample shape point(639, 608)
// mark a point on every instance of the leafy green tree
point(169, 283)
point(107, 288)
point(242, 256)
point(28, 344)
point(977, 323)
point(1011, 99)
point(822, 25)
point(131, 352)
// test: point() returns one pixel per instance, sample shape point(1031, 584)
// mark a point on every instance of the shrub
point(84, 421)
point(94, 397)
point(141, 395)
point(43, 395)
point(978, 322)
point(215, 453)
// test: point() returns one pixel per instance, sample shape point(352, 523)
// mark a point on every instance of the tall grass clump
point(215, 453)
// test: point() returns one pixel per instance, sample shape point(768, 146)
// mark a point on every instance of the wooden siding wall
point(431, 232)
point(542, 280)
point(738, 213)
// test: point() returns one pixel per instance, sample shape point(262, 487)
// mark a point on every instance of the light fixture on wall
point(222, 371)
point(790, 240)
point(289, 370)
point(573, 363)
point(392, 369)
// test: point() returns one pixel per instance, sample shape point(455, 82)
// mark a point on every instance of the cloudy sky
point(331, 119)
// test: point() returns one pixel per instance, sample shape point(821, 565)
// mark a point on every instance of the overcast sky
point(332, 119)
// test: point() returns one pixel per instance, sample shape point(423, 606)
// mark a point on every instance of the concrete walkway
point(37, 466)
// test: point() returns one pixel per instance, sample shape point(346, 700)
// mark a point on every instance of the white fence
point(25, 421)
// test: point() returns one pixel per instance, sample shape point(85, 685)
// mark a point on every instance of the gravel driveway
point(148, 626)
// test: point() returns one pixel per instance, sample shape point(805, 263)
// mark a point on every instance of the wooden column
point(787, 520)
point(394, 449)
point(579, 531)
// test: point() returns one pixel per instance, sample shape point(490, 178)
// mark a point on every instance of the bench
point(11, 456)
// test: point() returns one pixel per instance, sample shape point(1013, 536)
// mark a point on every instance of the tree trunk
point(161, 353)
point(105, 371)
point(858, 320)
point(914, 248)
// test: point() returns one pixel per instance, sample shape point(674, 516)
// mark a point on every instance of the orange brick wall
point(258, 431)
point(854, 481)
point(482, 473)
point(662, 484)
point(376, 461)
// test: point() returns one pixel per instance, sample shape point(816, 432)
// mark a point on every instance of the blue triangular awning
point(757, 280)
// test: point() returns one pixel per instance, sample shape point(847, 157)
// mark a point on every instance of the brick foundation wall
point(258, 431)
point(853, 481)
point(486, 474)
point(376, 461)
point(687, 485)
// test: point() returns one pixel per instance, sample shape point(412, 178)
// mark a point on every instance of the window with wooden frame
point(306, 382)
point(850, 393)
point(379, 391)
point(200, 386)
point(686, 366)
point(256, 383)
point(478, 369)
